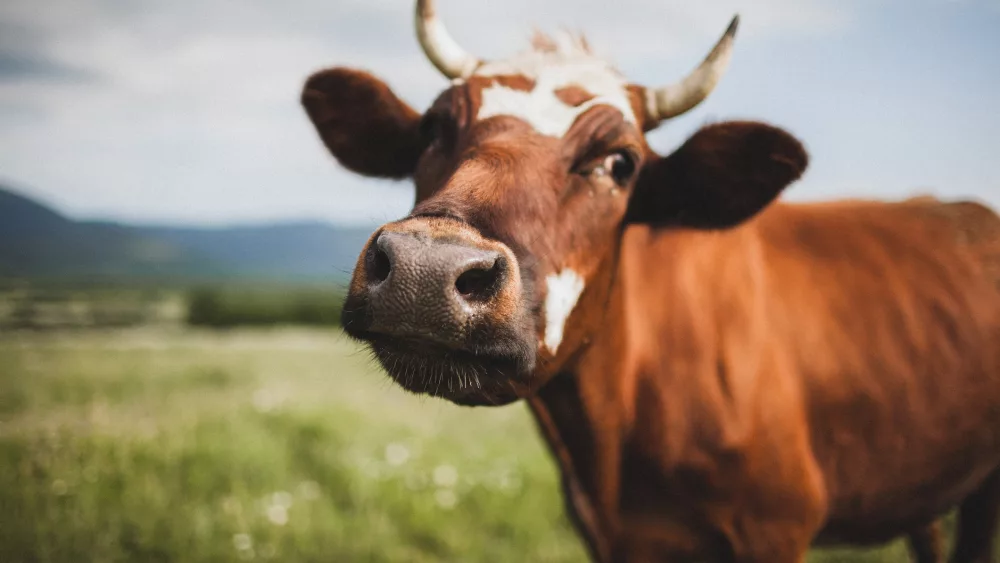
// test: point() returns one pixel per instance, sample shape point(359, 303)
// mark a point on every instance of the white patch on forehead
point(551, 71)
point(564, 290)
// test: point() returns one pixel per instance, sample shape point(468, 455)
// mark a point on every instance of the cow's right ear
point(367, 128)
point(723, 175)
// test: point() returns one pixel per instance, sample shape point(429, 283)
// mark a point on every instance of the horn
point(447, 55)
point(675, 99)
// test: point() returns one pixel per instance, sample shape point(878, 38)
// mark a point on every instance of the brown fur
point(366, 127)
point(546, 44)
point(512, 81)
point(740, 379)
point(573, 95)
point(719, 420)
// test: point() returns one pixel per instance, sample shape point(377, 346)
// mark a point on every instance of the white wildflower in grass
point(396, 454)
point(282, 499)
point(445, 475)
point(277, 514)
point(242, 542)
point(309, 490)
point(510, 481)
point(445, 498)
point(369, 467)
point(266, 400)
point(231, 505)
point(59, 487)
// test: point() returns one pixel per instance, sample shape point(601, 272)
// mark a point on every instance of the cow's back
point(889, 317)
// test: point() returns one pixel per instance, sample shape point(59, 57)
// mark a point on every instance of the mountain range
point(37, 241)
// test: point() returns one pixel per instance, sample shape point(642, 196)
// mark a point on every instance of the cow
point(720, 375)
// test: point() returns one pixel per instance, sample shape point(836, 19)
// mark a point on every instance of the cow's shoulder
point(921, 224)
point(974, 226)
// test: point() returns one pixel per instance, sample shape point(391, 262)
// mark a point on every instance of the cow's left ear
point(367, 128)
point(723, 175)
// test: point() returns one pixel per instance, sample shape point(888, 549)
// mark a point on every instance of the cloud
point(195, 114)
point(19, 66)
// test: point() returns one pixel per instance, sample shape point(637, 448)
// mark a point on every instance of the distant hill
point(302, 250)
point(37, 241)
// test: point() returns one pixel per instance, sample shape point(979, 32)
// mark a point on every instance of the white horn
point(675, 99)
point(447, 55)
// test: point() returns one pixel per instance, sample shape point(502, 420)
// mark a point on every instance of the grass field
point(171, 444)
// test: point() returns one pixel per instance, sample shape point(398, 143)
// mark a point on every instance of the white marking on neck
point(551, 71)
point(564, 290)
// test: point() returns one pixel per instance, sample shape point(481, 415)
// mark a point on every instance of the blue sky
point(187, 111)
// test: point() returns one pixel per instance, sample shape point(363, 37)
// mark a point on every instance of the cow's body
point(720, 378)
point(824, 369)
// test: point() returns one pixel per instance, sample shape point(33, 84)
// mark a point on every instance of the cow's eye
point(619, 165)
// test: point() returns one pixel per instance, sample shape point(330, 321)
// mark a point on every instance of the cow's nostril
point(379, 266)
point(479, 284)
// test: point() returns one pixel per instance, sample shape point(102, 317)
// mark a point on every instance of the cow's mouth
point(464, 377)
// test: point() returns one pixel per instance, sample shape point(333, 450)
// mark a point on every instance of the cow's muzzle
point(441, 308)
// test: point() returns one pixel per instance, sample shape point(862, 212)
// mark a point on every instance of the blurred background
point(174, 240)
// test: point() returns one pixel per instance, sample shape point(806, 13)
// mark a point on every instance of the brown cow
point(720, 376)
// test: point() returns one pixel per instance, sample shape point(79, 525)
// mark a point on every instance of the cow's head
point(526, 170)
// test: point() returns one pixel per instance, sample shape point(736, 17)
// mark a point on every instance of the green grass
point(171, 445)
point(167, 444)
point(227, 307)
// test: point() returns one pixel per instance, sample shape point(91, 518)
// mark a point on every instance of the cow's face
point(525, 171)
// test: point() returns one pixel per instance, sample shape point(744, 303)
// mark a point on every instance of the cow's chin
point(460, 376)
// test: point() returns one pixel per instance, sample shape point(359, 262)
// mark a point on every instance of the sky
point(187, 111)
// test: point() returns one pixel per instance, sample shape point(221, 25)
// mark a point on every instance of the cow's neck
point(618, 384)
point(571, 438)
point(565, 419)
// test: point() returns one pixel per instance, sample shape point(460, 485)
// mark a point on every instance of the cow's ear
point(367, 128)
point(723, 175)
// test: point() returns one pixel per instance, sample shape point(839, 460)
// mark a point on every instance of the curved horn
point(675, 99)
point(447, 55)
